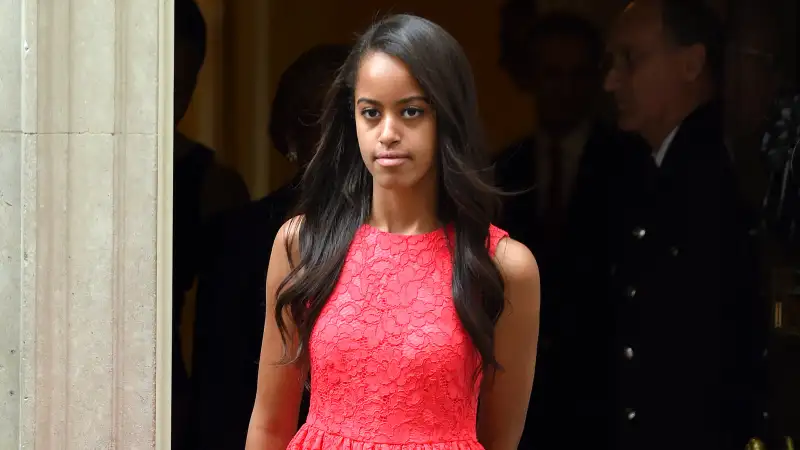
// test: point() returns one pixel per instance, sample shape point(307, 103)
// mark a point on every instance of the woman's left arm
point(505, 397)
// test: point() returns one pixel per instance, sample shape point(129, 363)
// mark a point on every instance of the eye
point(634, 59)
point(607, 63)
point(370, 113)
point(621, 60)
point(412, 113)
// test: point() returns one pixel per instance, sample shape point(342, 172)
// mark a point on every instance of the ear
point(694, 61)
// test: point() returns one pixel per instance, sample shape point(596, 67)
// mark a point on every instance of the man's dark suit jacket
point(553, 399)
point(230, 321)
point(668, 334)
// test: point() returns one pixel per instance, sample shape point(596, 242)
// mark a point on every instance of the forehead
point(639, 26)
point(562, 49)
point(382, 74)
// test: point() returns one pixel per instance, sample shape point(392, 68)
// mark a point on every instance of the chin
point(627, 123)
point(394, 180)
point(390, 182)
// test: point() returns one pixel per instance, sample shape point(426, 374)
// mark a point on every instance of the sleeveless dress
point(392, 367)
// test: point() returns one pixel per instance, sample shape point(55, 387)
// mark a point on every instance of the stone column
point(10, 211)
point(85, 245)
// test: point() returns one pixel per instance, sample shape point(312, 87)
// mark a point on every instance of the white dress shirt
point(662, 151)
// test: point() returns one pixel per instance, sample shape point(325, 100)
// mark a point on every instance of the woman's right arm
point(280, 387)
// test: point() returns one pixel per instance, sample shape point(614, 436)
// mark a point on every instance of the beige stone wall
point(10, 211)
point(84, 240)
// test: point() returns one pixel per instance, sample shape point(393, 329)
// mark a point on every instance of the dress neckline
point(374, 230)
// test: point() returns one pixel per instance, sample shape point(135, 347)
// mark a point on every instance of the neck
point(656, 133)
point(405, 211)
point(181, 145)
point(560, 130)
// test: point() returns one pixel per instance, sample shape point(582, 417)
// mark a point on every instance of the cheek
point(649, 89)
point(365, 140)
point(425, 144)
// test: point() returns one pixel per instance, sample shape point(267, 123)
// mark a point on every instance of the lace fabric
point(392, 366)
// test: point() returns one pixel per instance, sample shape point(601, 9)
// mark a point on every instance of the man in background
point(556, 61)
point(670, 327)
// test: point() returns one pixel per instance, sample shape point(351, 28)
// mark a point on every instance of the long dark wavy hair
point(336, 196)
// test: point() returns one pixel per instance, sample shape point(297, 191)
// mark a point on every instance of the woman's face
point(396, 125)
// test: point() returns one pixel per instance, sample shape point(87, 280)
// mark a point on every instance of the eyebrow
point(402, 101)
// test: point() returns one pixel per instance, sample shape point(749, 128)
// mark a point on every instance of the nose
point(390, 134)
point(611, 81)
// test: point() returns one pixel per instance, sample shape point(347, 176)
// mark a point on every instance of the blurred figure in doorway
point(556, 61)
point(202, 188)
point(231, 293)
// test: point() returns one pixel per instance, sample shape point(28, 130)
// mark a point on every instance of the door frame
point(166, 130)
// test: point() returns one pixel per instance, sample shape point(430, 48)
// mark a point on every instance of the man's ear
point(694, 61)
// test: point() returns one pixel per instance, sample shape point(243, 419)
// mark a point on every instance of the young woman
point(392, 287)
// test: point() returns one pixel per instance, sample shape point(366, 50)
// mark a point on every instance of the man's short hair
point(571, 25)
point(301, 91)
point(191, 27)
point(692, 22)
point(514, 54)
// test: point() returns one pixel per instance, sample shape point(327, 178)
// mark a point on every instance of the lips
point(621, 103)
point(392, 154)
point(391, 158)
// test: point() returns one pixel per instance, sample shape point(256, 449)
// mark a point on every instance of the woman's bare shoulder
point(289, 236)
point(515, 261)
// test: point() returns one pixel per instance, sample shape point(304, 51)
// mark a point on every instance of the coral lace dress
point(393, 368)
